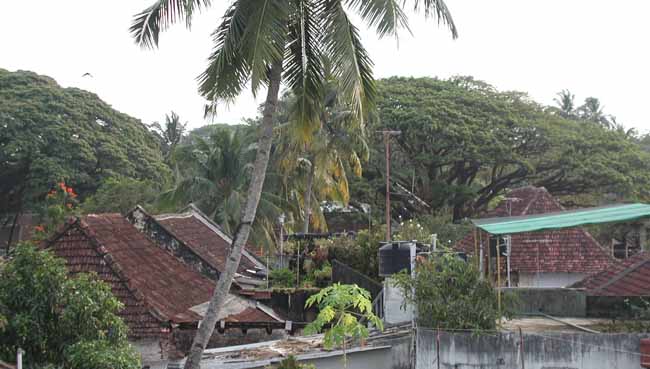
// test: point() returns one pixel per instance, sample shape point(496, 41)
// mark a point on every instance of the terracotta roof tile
point(630, 277)
point(153, 285)
point(162, 279)
point(571, 250)
point(212, 247)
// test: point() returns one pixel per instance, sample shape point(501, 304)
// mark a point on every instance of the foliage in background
point(282, 278)
point(57, 320)
point(463, 143)
point(291, 363)
point(360, 252)
point(50, 134)
point(450, 294)
point(120, 195)
point(342, 306)
point(214, 174)
point(60, 203)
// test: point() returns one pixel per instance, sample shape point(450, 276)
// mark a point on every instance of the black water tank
point(395, 257)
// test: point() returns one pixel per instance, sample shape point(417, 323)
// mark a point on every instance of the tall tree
point(268, 42)
point(565, 101)
point(592, 111)
point(214, 176)
point(325, 153)
point(170, 134)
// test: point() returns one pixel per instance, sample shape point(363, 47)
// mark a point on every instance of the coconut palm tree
point(170, 135)
point(322, 155)
point(565, 101)
point(267, 42)
point(592, 111)
point(214, 176)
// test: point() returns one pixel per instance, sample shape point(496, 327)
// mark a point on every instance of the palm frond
point(265, 37)
point(386, 16)
point(148, 24)
point(304, 69)
point(350, 60)
point(250, 37)
point(228, 69)
point(437, 9)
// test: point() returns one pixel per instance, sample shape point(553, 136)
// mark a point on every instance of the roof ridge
point(538, 192)
point(620, 275)
point(218, 230)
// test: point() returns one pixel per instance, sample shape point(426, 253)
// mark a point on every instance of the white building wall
point(393, 300)
point(549, 279)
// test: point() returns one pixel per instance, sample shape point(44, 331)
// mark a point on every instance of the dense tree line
point(50, 134)
point(463, 143)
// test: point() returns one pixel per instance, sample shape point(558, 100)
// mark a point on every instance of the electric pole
point(387, 135)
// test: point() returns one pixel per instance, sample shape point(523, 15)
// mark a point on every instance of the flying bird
point(87, 75)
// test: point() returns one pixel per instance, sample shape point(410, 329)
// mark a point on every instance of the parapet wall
point(540, 351)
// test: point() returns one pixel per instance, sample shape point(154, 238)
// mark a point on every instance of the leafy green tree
point(216, 172)
point(120, 195)
point(57, 320)
point(565, 101)
point(450, 294)
point(322, 155)
point(270, 42)
point(592, 111)
point(170, 134)
point(50, 134)
point(291, 363)
point(464, 143)
point(341, 306)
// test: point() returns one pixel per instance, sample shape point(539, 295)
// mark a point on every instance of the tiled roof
point(571, 250)
point(154, 286)
point(205, 239)
point(630, 277)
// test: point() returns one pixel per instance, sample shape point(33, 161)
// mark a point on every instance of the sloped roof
point(630, 277)
point(206, 239)
point(167, 284)
point(4, 365)
point(571, 250)
point(154, 286)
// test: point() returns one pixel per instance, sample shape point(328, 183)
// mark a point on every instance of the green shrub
point(282, 278)
point(450, 294)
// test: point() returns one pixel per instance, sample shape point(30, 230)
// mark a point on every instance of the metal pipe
point(387, 135)
point(387, 144)
point(508, 249)
point(498, 278)
point(19, 358)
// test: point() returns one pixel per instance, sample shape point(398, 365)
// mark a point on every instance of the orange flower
point(39, 228)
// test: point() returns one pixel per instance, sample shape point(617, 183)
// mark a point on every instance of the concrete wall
point(393, 300)
point(547, 351)
point(562, 302)
point(549, 279)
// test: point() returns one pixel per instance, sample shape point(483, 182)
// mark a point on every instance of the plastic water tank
point(395, 257)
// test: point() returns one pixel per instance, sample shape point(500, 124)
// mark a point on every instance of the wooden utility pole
point(387, 135)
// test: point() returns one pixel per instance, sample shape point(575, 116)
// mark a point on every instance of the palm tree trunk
point(206, 328)
point(308, 194)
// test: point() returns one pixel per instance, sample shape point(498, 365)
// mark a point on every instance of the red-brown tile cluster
point(630, 277)
point(207, 244)
point(571, 250)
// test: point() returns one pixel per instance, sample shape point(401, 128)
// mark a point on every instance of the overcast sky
point(592, 47)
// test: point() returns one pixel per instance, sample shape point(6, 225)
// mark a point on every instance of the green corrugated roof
point(563, 219)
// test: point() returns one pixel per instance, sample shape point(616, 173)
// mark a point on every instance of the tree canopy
point(50, 134)
point(61, 321)
point(463, 143)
